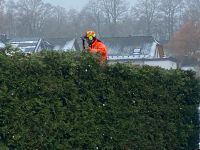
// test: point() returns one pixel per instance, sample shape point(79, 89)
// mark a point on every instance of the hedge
point(61, 101)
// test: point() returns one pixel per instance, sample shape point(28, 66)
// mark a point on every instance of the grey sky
point(77, 4)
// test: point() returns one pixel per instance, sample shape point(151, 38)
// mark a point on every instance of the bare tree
point(74, 22)
point(159, 18)
point(56, 22)
point(32, 15)
point(10, 20)
point(114, 11)
point(169, 9)
point(1, 6)
point(192, 10)
point(146, 10)
point(94, 11)
point(1, 15)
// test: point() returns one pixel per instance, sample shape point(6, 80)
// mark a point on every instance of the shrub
point(57, 100)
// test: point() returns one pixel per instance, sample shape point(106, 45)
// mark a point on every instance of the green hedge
point(67, 101)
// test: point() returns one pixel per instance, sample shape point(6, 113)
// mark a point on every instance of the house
point(3, 39)
point(140, 50)
point(29, 45)
point(135, 46)
point(2, 45)
point(64, 44)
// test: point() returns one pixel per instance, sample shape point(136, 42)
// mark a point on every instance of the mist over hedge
point(61, 101)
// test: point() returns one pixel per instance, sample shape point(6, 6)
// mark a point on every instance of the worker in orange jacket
point(96, 46)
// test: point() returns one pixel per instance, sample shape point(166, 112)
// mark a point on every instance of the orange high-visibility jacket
point(98, 47)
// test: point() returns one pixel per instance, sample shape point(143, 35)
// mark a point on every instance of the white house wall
point(166, 64)
point(153, 50)
point(163, 63)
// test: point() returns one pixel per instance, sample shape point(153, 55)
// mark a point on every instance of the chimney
point(3, 38)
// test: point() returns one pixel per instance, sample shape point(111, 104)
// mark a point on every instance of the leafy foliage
point(186, 40)
point(63, 100)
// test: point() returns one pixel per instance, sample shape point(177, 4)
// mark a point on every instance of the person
point(96, 46)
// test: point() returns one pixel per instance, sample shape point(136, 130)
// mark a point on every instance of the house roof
point(140, 46)
point(27, 45)
point(63, 43)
